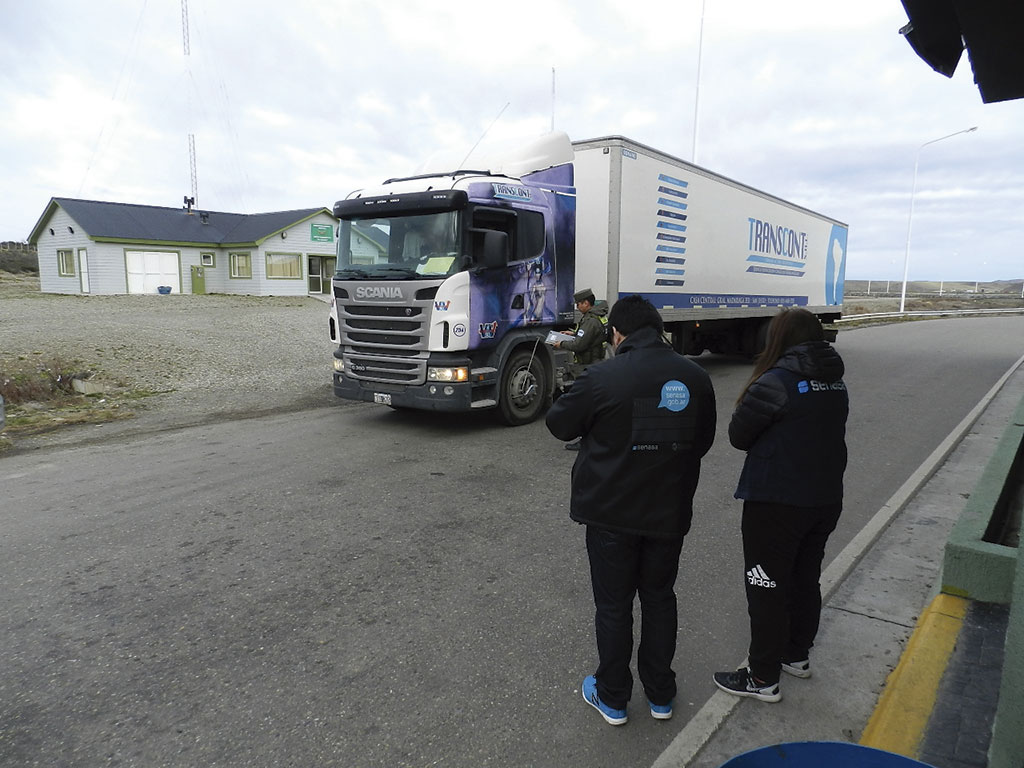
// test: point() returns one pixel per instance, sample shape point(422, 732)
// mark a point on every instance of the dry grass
point(18, 285)
point(40, 396)
point(41, 381)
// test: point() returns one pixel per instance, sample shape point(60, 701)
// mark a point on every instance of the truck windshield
point(401, 247)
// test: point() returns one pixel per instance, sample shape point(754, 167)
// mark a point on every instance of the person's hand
point(557, 344)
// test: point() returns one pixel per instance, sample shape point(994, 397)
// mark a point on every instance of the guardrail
point(926, 313)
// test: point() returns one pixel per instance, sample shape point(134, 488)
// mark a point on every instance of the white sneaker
point(800, 668)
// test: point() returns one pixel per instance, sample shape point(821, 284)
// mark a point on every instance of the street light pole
point(910, 218)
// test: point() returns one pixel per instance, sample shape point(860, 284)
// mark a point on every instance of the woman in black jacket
point(791, 421)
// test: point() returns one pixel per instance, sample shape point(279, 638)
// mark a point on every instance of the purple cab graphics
point(532, 291)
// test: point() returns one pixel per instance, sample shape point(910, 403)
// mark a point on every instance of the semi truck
point(449, 281)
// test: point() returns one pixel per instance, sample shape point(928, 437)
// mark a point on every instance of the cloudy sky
point(293, 105)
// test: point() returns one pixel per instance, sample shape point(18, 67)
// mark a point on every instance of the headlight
point(339, 365)
point(447, 374)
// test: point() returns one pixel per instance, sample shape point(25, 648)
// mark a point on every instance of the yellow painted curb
point(901, 715)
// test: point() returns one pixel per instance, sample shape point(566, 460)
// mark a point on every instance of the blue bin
point(813, 754)
point(164, 289)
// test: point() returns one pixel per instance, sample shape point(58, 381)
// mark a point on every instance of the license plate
point(382, 397)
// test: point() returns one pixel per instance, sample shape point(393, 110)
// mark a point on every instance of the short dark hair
point(631, 313)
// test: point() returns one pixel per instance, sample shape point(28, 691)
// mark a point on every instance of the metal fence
point(926, 313)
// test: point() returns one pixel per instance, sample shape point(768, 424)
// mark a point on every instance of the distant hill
point(934, 286)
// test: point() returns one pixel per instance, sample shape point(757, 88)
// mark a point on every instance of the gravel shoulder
point(206, 358)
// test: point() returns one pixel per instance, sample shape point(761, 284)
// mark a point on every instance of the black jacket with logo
point(792, 424)
point(646, 417)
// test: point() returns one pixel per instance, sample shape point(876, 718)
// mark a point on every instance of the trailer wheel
point(524, 389)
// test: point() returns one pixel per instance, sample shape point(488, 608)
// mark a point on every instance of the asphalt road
point(353, 586)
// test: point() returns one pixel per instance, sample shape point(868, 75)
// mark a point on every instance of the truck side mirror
point(495, 250)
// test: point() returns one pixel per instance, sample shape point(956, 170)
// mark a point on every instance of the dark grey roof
point(151, 223)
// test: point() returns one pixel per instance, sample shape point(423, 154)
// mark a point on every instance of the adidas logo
point(758, 578)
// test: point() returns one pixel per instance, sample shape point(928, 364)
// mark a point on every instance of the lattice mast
point(191, 136)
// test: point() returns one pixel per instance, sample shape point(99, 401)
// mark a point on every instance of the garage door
point(149, 269)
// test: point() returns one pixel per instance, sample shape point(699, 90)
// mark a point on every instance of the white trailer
point(718, 258)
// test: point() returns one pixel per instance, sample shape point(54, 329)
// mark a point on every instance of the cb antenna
point(463, 163)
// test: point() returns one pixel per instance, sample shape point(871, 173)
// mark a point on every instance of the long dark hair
point(792, 326)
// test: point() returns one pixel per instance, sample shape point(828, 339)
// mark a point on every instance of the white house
point(89, 246)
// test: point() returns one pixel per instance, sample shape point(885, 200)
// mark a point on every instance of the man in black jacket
point(646, 418)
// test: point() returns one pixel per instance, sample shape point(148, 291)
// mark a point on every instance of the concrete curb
point(901, 716)
point(1007, 744)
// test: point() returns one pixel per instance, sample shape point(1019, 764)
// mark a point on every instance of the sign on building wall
point(321, 233)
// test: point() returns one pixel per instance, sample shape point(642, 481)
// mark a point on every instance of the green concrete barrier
point(1007, 744)
point(974, 565)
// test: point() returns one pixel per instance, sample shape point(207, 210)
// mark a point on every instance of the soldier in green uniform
point(590, 337)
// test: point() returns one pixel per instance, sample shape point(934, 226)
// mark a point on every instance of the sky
point(294, 105)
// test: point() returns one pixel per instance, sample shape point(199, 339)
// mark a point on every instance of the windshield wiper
point(351, 272)
point(397, 271)
point(377, 272)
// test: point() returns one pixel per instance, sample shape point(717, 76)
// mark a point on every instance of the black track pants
point(783, 547)
point(623, 565)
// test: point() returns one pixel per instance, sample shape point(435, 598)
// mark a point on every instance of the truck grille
point(385, 342)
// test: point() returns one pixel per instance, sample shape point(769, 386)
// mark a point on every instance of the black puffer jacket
point(792, 424)
point(646, 416)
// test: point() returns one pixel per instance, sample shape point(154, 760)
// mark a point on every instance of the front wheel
point(524, 389)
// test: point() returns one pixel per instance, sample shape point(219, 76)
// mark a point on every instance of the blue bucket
point(164, 289)
point(812, 754)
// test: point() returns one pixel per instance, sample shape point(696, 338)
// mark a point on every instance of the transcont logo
point(511, 192)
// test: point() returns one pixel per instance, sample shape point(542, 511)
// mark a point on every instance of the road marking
point(901, 715)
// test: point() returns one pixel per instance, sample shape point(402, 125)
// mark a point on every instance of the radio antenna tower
point(188, 73)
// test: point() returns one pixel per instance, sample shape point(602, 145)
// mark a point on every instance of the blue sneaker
point(660, 711)
point(611, 716)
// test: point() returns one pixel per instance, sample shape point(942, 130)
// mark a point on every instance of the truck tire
point(524, 389)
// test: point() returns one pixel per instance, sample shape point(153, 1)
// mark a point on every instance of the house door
point(83, 268)
point(148, 270)
point(321, 270)
point(198, 279)
point(329, 265)
point(315, 283)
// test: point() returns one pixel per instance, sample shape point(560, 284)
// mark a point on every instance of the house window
point(284, 266)
point(207, 260)
point(66, 263)
point(241, 265)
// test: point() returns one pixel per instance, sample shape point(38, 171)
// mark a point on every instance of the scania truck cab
point(448, 283)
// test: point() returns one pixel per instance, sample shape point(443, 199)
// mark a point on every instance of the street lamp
point(910, 218)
